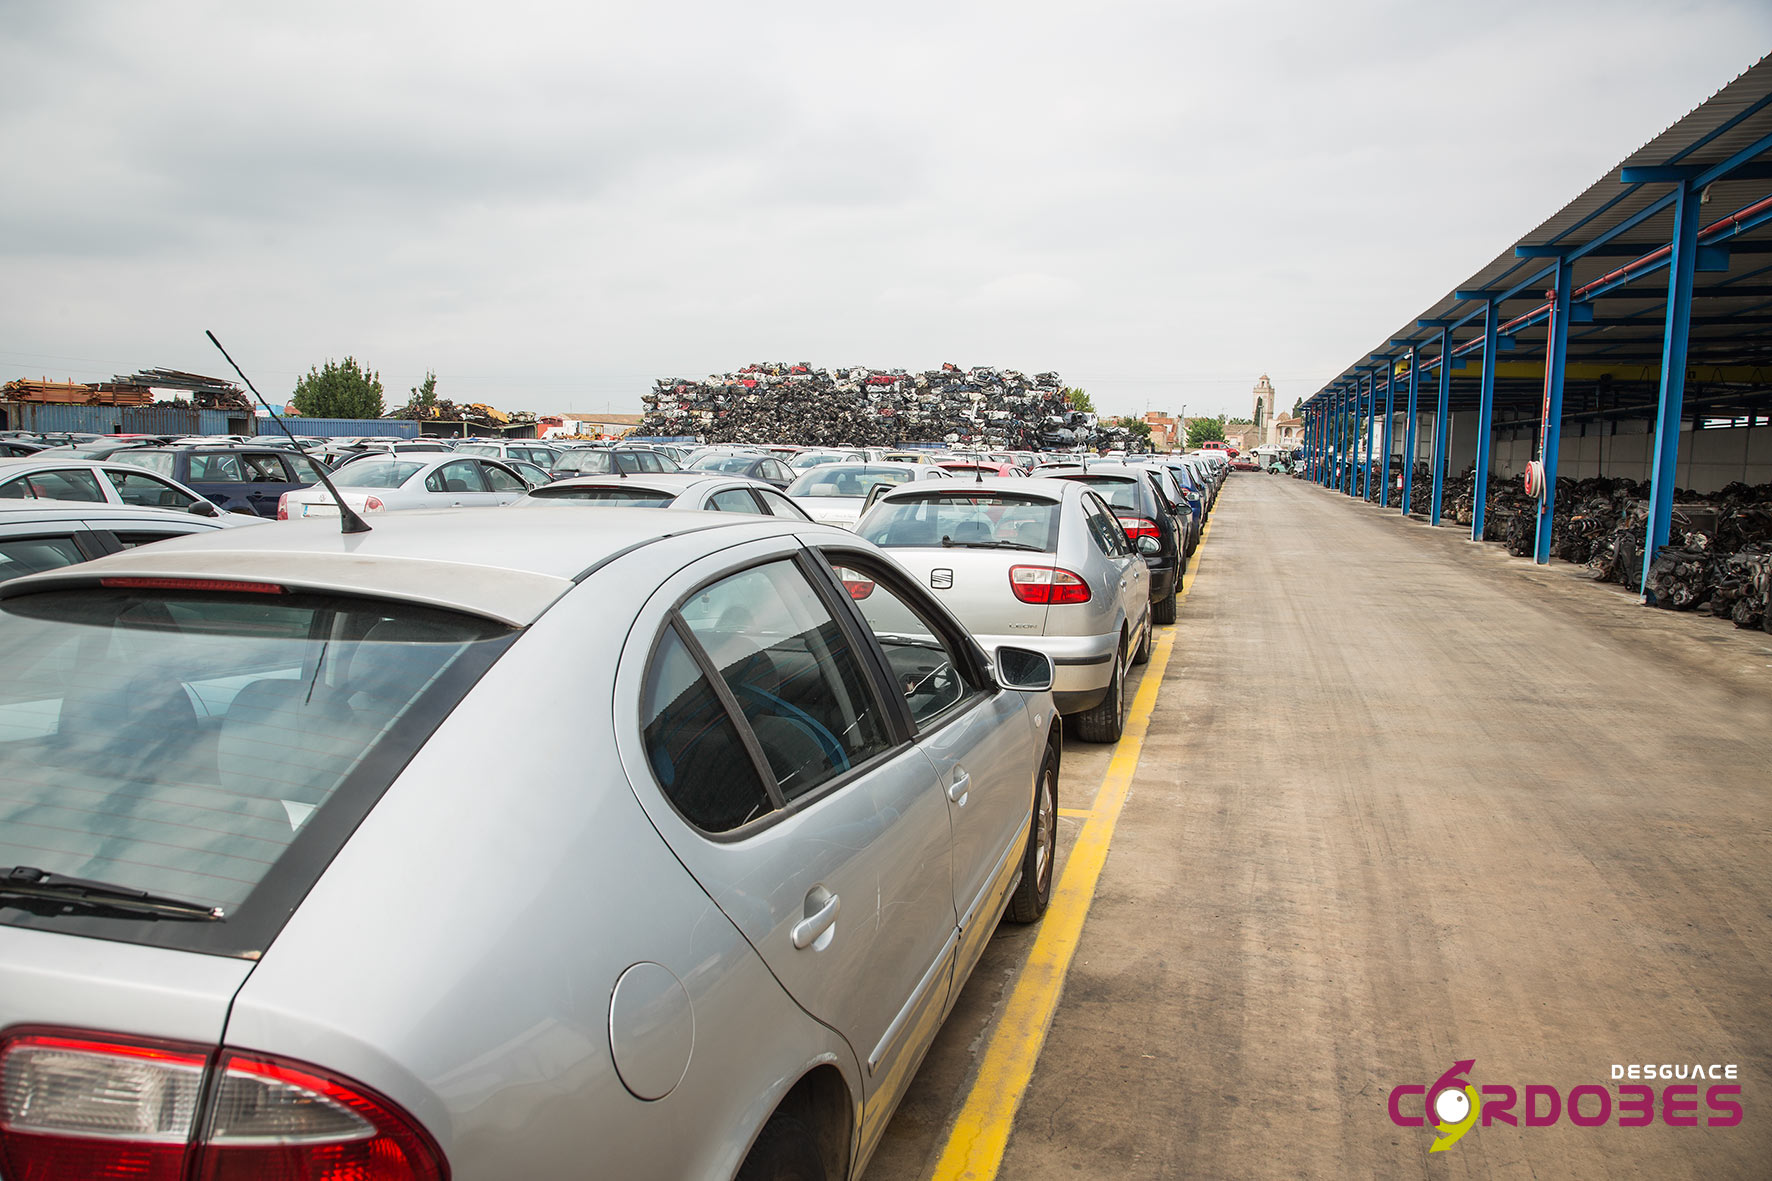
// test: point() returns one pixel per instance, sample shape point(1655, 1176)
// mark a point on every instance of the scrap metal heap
point(1719, 554)
point(784, 403)
point(135, 389)
point(472, 413)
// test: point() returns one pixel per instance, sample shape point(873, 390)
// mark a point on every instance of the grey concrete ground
point(1405, 801)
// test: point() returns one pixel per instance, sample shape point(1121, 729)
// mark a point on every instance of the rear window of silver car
point(212, 747)
point(959, 518)
point(376, 472)
point(612, 494)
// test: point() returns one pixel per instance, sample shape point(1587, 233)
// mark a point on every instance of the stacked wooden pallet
point(73, 392)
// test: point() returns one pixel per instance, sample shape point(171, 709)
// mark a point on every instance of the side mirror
point(203, 508)
point(1150, 547)
point(1025, 669)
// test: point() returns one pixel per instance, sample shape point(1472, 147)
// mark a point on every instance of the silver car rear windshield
point(849, 481)
point(963, 518)
point(213, 747)
point(376, 473)
point(1121, 492)
point(613, 494)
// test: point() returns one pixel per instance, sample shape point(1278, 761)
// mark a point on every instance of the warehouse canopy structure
point(1646, 301)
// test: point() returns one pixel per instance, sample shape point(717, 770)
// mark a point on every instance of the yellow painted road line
point(975, 1147)
point(1077, 813)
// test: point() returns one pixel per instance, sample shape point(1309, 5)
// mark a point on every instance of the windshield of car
point(848, 480)
point(154, 461)
point(607, 494)
point(476, 449)
point(816, 458)
point(984, 519)
point(1121, 492)
point(212, 746)
point(723, 463)
point(376, 472)
point(592, 463)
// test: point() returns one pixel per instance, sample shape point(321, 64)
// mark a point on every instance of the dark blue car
point(241, 479)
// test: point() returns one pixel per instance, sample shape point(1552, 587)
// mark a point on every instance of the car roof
point(1019, 485)
point(13, 511)
point(508, 567)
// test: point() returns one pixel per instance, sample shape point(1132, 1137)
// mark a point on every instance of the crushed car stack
point(796, 403)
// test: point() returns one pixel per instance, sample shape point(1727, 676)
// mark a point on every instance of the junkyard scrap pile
point(136, 389)
point(1719, 553)
point(777, 403)
point(474, 413)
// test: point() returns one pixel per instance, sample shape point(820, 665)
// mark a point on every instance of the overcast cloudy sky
point(550, 205)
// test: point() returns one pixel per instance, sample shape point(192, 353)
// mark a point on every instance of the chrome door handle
point(957, 789)
point(808, 929)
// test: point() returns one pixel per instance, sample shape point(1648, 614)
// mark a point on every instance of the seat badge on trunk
point(941, 579)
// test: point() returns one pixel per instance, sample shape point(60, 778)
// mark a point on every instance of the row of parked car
point(492, 843)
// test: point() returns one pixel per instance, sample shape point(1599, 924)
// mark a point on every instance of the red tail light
point(77, 1105)
point(283, 507)
point(1047, 584)
point(1137, 527)
point(373, 504)
point(859, 587)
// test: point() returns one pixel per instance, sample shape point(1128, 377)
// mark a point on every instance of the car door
point(268, 476)
point(458, 484)
point(973, 733)
point(837, 872)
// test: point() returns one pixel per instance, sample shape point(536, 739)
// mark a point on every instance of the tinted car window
point(182, 744)
point(1105, 529)
point(1121, 492)
point(33, 555)
point(796, 676)
point(146, 489)
point(1005, 520)
point(56, 485)
point(734, 500)
point(264, 468)
point(221, 468)
point(694, 747)
point(500, 480)
point(607, 494)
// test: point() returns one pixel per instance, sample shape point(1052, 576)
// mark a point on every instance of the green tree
point(1137, 426)
point(339, 389)
point(1201, 431)
point(423, 403)
point(1080, 401)
point(1298, 408)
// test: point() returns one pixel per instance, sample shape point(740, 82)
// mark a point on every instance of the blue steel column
point(1368, 394)
point(1673, 374)
point(1409, 431)
point(1485, 422)
point(1357, 475)
point(1390, 416)
point(1550, 436)
point(1442, 425)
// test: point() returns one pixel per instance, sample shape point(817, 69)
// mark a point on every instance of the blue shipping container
point(332, 428)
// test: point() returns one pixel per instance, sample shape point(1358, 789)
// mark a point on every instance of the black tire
point(1107, 720)
point(786, 1150)
point(1163, 610)
point(1029, 901)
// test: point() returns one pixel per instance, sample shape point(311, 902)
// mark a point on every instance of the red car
point(1244, 463)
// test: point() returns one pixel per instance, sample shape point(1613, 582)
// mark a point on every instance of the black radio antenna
point(348, 520)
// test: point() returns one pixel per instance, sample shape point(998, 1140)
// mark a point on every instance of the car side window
point(222, 468)
point(1105, 528)
point(803, 688)
point(774, 470)
point(460, 476)
point(130, 538)
point(65, 485)
point(502, 481)
point(734, 500)
point(305, 472)
point(694, 746)
point(779, 505)
point(265, 468)
point(148, 491)
point(649, 462)
point(20, 556)
point(928, 670)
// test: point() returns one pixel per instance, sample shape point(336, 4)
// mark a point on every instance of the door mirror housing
point(1024, 669)
point(203, 508)
point(1150, 547)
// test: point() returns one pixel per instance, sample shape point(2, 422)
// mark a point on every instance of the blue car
point(241, 479)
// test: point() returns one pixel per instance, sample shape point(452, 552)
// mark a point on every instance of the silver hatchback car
point(1038, 562)
point(483, 845)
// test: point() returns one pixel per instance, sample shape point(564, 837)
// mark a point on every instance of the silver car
point(837, 493)
point(40, 535)
point(1039, 562)
point(385, 483)
point(686, 490)
point(485, 846)
point(38, 477)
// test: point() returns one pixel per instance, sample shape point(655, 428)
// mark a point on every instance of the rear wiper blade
point(951, 544)
point(27, 881)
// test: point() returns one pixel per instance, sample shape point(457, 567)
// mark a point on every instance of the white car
point(702, 491)
point(97, 482)
point(38, 535)
point(384, 483)
point(837, 493)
